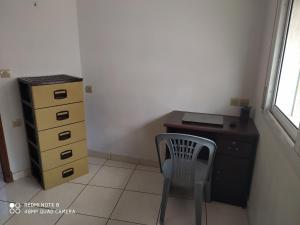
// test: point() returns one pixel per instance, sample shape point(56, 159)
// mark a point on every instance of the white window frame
point(280, 31)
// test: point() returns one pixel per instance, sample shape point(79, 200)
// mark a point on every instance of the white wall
point(147, 58)
point(34, 41)
point(275, 196)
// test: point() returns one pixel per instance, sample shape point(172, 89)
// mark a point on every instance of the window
point(286, 99)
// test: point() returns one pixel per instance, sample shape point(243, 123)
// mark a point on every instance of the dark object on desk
point(232, 125)
point(236, 148)
point(203, 119)
point(245, 114)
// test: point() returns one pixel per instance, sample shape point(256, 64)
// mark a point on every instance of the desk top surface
point(174, 120)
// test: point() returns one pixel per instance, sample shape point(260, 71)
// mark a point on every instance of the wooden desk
point(236, 148)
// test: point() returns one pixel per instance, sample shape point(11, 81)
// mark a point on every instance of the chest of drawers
point(53, 109)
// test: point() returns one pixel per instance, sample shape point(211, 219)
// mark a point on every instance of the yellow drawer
point(63, 155)
point(65, 173)
point(59, 115)
point(56, 137)
point(56, 94)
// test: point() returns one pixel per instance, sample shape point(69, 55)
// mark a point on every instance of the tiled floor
point(113, 193)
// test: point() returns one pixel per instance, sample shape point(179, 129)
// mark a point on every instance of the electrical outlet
point(17, 123)
point(234, 101)
point(244, 102)
point(88, 89)
point(4, 73)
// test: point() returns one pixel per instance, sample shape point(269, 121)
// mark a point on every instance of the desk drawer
point(231, 179)
point(234, 148)
point(56, 137)
point(56, 94)
point(65, 173)
point(63, 155)
point(59, 115)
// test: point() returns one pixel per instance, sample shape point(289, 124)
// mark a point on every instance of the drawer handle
point(67, 172)
point(66, 154)
point(64, 135)
point(63, 115)
point(60, 94)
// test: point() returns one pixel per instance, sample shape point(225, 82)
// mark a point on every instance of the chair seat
point(201, 170)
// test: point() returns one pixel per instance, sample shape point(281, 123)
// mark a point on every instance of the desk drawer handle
point(60, 94)
point(62, 115)
point(64, 135)
point(66, 154)
point(67, 172)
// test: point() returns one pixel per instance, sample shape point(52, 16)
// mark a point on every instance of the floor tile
point(77, 219)
point(119, 164)
point(4, 212)
point(148, 168)
point(223, 214)
point(85, 179)
point(111, 177)
point(97, 201)
point(63, 194)
point(96, 160)
point(181, 192)
point(116, 222)
point(33, 219)
point(145, 181)
point(138, 208)
point(182, 211)
point(20, 191)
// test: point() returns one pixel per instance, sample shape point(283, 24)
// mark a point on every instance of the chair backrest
point(184, 150)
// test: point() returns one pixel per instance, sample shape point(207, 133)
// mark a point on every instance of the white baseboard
point(124, 158)
point(139, 161)
point(99, 154)
point(21, 174)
